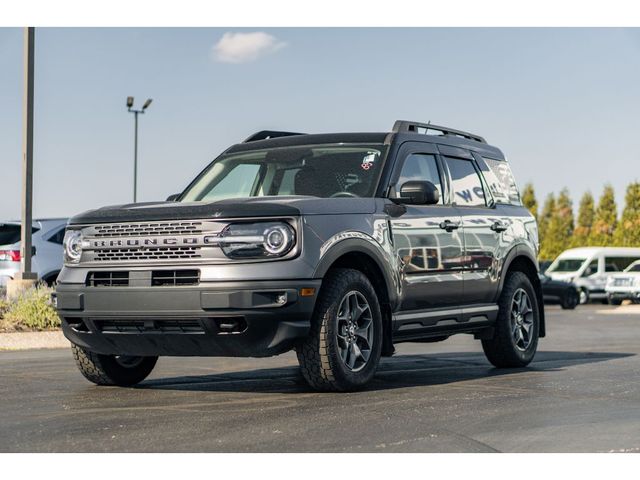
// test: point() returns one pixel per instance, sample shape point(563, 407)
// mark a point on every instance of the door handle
point(449, 226)
point(498, 227)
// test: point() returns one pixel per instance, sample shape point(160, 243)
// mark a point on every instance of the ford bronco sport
point(336, 245)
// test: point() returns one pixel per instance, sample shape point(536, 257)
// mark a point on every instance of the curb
point(32, 340)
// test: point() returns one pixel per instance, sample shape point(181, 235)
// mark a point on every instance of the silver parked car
point(48, 235)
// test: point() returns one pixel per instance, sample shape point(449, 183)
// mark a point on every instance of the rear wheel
point(570, 299)
point(517, 327)
point(121, 370)
point(343, 348)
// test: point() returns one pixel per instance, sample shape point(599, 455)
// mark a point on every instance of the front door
point(427, 238)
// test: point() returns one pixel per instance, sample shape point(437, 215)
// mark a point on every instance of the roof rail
point(265, 134)
point(417, 127)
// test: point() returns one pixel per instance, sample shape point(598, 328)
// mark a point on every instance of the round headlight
point(277, 239)
point(73, 246)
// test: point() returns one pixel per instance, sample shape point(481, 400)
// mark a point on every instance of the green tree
point(628, 232)
point(529, 200)
point(586, 214)
point(560, 228)
point(548, 209)
point(606, 219)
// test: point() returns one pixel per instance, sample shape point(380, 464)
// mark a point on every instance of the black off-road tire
point(106, 370)
point(318, 354)
point(501, 350)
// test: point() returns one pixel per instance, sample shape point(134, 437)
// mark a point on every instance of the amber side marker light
point(307, 292)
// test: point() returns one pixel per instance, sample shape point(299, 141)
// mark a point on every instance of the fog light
point(281, 299)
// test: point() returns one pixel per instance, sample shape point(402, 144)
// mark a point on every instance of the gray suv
point(336, 245)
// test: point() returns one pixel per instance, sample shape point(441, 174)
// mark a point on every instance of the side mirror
point(173, 198)
point(417, 192)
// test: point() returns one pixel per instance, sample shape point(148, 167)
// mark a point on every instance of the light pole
point(135, 142)
point(26, 278)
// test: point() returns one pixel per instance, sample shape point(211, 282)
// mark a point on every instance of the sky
point(562, 104)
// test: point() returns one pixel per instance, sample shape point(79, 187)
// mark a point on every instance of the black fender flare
point(374, 251)
point(517, 251)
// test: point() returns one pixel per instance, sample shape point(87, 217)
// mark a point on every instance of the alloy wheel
point(355, 331)
point(521, 319)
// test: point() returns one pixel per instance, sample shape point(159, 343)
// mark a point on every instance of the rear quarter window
point(501, 182)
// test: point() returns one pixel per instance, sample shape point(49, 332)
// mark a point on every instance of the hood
point(562, 276)
point(623, 274)
point(230, 208)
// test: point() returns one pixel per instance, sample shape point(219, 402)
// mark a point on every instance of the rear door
point(481, 229)
point(427, 238)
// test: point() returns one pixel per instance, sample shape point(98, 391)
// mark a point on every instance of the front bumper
point(238, 319)
point(623, 293)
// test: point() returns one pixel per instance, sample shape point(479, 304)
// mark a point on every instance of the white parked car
point(625, 285)
point(590, 268)
point(47, 249)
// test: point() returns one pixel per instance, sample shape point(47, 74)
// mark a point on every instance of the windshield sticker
point(367, 162)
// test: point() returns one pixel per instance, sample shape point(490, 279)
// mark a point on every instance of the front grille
point(152, 253)
point(150, 326)
point(108, 279)
point(144, 229)
point(174, 278)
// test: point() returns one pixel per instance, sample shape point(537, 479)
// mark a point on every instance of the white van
point(590, 267)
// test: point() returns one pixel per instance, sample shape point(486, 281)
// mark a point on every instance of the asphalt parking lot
point(581, 394)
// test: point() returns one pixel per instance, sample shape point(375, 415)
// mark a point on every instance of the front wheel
point(343, 348)
point(584, 296)
point(517, 327)
point(118, 370)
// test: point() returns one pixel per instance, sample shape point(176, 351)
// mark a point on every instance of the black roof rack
point(265, 134)
point(417, 127)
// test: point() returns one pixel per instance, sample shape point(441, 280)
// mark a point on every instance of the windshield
point(10, 233)
point(567, 265)
point(319, 171)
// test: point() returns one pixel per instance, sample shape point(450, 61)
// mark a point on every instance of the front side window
point(592, 269)
point(319, 171)
point(422, 167)
point(466, 183)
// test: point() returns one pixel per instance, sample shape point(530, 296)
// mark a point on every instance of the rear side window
point(10, 233)
point(617, 264)
point(422, 167)
point(500, 180)
point(466, 183)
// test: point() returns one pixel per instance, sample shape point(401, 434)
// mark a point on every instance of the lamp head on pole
point(147, 103)
point(129, 102)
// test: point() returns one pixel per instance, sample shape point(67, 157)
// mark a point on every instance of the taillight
point(10, 255)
